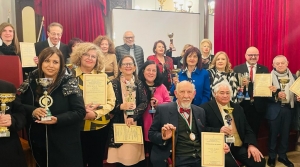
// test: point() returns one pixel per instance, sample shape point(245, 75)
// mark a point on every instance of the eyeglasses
point(55, 34)
point(253, 55)
point(149, 70)
point(129, 37)
point(127, 64)
point(89, 56)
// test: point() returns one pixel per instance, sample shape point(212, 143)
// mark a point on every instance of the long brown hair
point(15, 40)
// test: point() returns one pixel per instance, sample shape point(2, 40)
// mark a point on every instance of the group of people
point(81, 134)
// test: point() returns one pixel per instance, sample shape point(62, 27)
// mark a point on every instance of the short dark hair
point(157, 81)
point(190, 51)
point(120, 65)
point(72, 42)
point(157, 42)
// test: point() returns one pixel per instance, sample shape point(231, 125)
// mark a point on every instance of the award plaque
point(46, 100)
point(5, 98)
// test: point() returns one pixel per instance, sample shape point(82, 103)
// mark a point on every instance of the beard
point(186, 105)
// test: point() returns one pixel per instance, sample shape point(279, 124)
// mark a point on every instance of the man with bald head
point(129, 48)
point(254, 108)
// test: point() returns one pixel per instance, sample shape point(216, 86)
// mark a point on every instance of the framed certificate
point(125, 134)
point(262, 82)
point(212, 149)
point(27, 54)
point(94, 89)
point(295, 88)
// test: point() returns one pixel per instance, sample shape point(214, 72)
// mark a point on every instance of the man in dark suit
point(11, 153)
point(243, 141)
point(254, 108)
point(279, 111)
point(54, 32)
point(188, 120)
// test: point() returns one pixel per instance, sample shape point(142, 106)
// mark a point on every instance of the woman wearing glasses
point(131, 102)
point(219, 70)
point(165, 63)
point(94, 131)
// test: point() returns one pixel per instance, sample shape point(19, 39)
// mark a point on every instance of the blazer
point(214, 121)
point(11, 153)
point(259, 102)
point(168, 113)
point(40, 46)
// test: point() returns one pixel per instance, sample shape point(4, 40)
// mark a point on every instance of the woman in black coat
point(11, 152)
point(55, 142)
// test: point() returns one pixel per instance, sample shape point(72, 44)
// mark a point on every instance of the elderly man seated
point(229, 118)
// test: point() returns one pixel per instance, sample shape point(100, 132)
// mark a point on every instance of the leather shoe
point(286, 162)
point(271, 162)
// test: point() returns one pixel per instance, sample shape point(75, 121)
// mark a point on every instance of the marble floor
point(293, 156)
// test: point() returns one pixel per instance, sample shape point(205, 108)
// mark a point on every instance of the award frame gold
point(95, 89)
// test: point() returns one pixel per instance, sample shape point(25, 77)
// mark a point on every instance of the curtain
point(80, 18)
point(269, 25)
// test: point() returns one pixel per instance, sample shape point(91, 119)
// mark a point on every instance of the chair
point(11, 70)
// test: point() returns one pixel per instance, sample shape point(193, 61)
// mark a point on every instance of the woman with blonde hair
point(219, 70)
point(108, 50)
point(207, 57)
point(94, 130)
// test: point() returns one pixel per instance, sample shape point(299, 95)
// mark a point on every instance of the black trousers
point(93, 147)
point(253, 117)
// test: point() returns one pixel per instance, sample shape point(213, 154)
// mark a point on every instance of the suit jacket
point(214, 121)
point(168, 113)
point(40, 46)
point(11, 153)
point(259, 102)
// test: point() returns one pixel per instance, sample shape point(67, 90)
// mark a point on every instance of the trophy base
point(247, 98)
point(152, 111)
point(5, 134)
point(46, 118)
point(229, 139)
point(131, 112)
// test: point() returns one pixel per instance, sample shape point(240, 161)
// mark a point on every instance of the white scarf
point(287, 74)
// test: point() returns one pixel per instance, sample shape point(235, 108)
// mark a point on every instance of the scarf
point(288, 75)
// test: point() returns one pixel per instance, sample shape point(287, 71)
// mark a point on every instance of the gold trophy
point(283, 82)
point(228, 118)
point(170, 35)
point(161, 2)
point(46, 100)
point(152, 89)
point(240, 95)
point(129, 98)
point(5, 98)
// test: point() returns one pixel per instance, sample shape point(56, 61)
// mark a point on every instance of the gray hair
point(223, 84)
point(182, 82)
point(279, 56)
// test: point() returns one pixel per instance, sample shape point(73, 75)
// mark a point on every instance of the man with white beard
point(188, 120)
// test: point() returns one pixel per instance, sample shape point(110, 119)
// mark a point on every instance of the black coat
point(214, 121)
point(64, 147)
point(40, 46)
point(11, 152)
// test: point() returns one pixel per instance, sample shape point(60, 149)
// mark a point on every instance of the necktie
point(182, 110)
point(251, 73)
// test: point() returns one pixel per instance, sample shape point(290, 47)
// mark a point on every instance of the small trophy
point(175, 72)
point(5, 98)
point(240, 95)
point(170, 35)
point(152, 89)
point(46, 100)
point(283, 83)
point(130, 88)
point(228, 118)
point(247, 77)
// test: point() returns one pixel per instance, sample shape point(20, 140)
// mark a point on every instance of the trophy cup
point(129, 98)
point(46, 100)
point(240, 95)
point(152, 89)
point(170, 35)
point(5, 98)
point(247, 77)
point(283, 83)
point(175, 72)
point(161, 2)
point(228, 118)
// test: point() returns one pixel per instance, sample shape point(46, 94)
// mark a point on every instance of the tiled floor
point(293, 157)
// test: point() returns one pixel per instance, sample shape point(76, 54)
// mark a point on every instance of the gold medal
point(192, 136)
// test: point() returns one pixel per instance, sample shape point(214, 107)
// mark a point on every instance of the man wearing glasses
point(255, 107)
point(129, 48)
point(54, 32)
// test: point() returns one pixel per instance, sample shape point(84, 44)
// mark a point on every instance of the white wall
point(211, 26)
point(5, 7)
